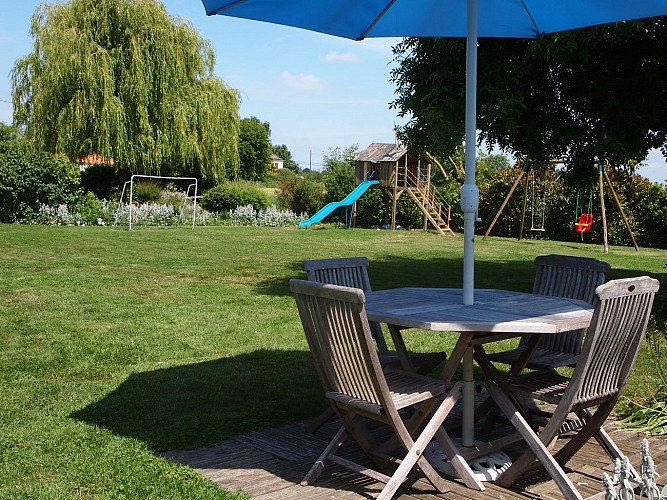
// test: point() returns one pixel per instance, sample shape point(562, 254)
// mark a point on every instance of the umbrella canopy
point(359, 19)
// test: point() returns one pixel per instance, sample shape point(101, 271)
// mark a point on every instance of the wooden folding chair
point(610, 349)
point(353, 272)
point(339, 336)
point(559, 276)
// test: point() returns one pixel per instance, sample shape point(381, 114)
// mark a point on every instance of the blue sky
point(318, 92)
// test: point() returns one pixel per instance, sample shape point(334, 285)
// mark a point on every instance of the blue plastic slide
point(330, 207)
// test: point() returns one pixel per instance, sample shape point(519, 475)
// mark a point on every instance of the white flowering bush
point(84, 213)
point(270, 217)
point(146, 215)
point(243, 216)
point(106, 213)
point(56, 215)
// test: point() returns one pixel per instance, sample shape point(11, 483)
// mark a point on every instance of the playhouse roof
point(378, 152)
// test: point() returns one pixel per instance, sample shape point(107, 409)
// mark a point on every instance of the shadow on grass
point(190, 406)
point(517, 275)
point(393, 272)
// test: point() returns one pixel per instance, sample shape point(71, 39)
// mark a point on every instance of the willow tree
point(124, 79)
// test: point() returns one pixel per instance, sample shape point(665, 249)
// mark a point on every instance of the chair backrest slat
point(572, 278)
point(613, 340)
point(351, 272)
point(336, 327)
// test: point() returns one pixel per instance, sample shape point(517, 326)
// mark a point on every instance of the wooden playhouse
point(401, 172)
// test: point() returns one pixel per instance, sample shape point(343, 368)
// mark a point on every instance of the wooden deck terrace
point(270, 465)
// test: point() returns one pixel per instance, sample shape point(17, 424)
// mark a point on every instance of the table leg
point(456, 356)
point(468, 425)
point(528, 350)
point(401, 349)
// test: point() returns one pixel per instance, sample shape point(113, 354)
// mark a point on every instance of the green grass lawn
point(117, 345)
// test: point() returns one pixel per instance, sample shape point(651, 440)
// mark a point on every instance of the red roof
point(95, 159)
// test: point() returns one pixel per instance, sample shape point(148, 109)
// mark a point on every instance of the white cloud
point(347, 57)
point(302, 81)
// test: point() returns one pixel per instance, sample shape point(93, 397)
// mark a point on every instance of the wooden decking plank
point(201, 455)
point(246, 459)
point(315, 441)
point(301, 444)
point(270, 465)
point(220, 457)
point(268, 445)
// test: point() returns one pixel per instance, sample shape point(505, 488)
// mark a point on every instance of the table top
point(501, 311)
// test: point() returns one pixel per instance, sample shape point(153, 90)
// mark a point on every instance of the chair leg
point(416, 448)
point(331, 448)
point(537, 449)
point(592, 428)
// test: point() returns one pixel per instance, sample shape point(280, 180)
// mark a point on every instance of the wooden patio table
point(495, 315)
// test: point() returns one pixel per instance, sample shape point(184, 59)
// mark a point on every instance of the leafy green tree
point(339, 172)
point(28, 179)
point(338, 176)
point(573, 95)
point(8, 137)
point(254, 149)
point(283, 152)
point(7, 132)
point(126, 80)
point(340, 157)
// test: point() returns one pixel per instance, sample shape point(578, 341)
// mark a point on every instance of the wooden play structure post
point(603, 210)
point(524, 169)
point(523, 207)
point(603, 172)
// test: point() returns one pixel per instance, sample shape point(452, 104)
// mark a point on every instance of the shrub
point(308, 196)
point(146, 191)
point(28, 179)
point(338, 182)
point(301, 195)
point(271, 217)
point(277, 177)
point(371, 209)
point(160, 215)
point(229, 195)
point(90, 210)
point(57, 215)
point(408, 214)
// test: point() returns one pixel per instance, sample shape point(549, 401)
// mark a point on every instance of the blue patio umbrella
point(359, 19)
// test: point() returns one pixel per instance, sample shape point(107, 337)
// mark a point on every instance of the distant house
point(91, 160)
point(277, 162)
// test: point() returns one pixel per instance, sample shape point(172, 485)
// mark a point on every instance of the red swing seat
point(584, 224)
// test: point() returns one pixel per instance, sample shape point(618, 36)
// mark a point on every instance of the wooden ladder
point(425, 196)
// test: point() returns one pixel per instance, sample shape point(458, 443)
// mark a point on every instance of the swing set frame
point(528, 176)
point(602, 177)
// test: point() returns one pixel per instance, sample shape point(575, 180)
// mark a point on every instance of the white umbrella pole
point(469, 191)
point(469, 205)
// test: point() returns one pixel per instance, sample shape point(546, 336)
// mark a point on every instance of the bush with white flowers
point(270, 217)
